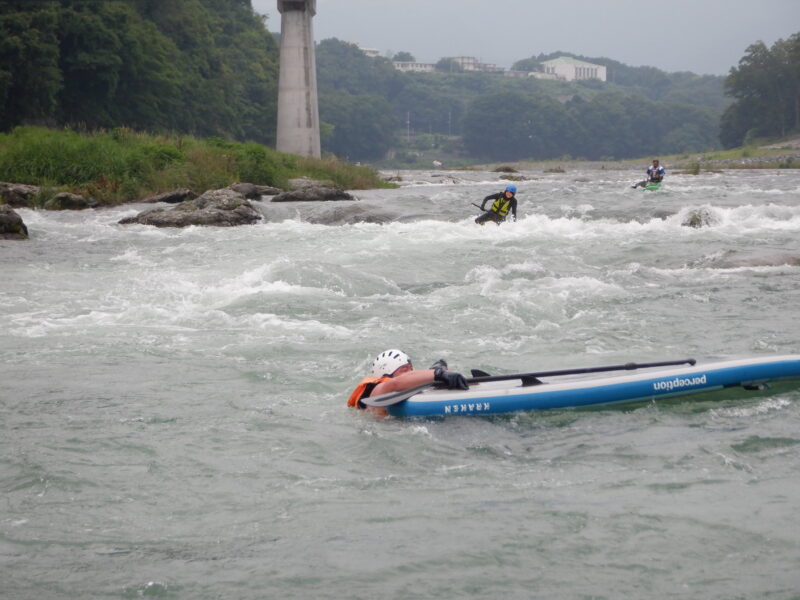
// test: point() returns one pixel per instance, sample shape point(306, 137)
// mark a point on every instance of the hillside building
point(572, 69)
point(413, 67)
point(470, 63)
point(371, 52)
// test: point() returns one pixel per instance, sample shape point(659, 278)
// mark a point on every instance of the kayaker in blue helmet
point(502, 203)
point(655, 174)
point(392, 371)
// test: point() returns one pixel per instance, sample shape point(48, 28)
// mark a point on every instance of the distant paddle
point(527, 379)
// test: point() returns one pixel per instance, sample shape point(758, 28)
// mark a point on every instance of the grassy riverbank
point(120, 165)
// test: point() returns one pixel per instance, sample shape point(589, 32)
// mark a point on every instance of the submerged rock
point(12, 226)
point(217, 208)
point(700, 217)
point(352, 213)
point(313, 194)
point(766, 259)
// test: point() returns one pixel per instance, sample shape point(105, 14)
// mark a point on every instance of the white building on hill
point(572, 69)
point(416, 67)
point(371, 52)
point(470, 63)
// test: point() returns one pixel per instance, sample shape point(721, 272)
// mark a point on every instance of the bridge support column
point(298, 111)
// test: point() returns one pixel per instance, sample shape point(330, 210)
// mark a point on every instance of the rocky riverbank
point(226, 207)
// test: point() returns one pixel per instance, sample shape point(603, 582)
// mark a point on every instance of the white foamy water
point(172, 401)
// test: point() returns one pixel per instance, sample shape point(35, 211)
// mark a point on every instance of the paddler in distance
point(502, 203)
point(392, 371)
point(655, 174)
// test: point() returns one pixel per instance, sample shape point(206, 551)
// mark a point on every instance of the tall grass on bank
point(121, 165)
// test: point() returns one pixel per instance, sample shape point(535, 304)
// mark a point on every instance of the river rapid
point(172, 401)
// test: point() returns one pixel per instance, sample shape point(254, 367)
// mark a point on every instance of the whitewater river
point(172, 402)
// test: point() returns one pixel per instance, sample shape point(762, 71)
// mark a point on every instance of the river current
point(172, 401)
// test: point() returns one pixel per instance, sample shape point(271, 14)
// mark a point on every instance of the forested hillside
point(209, 68)
point(202, 67)
point(504, 118)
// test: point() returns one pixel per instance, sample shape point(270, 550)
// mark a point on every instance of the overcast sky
point(702, 36)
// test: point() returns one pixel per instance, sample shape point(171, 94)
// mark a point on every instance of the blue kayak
point(523, 392)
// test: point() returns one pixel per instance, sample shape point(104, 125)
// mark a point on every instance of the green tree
point(527, 64)
point(448, 65)
point(341, 66)
point(514, 125)
point(431, 108)
point(766, 91)
point(609, 130)
point(404, 57)
point(30, 79)
point(206, 67)
point(363, 125)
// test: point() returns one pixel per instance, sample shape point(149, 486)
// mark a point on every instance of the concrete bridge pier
point(298, 111)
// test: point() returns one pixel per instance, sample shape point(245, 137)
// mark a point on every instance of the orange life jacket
point(364, 389)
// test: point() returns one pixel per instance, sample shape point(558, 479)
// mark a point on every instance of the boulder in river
point(253, 191)
point(348, 214)
point(700, 217)
point(218, 208)
point(301, 183)
point(18, 195)
point(173, 197)
point(67, 201)
point(12, 226)
point(313, 194)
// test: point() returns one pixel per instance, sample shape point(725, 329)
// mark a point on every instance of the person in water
point(392, 371)
point(655, 174)
point(502, 203)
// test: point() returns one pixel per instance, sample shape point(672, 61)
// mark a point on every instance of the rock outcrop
point(217, 208)
point(18, 195)
point(67, 201)
point(253, 191)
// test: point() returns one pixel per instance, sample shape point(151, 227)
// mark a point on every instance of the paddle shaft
point(395, 397)
point(624, 367)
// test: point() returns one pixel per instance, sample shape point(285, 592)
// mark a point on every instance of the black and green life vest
point(501, 205)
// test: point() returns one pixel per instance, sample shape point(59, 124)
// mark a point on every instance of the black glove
point(439, 364)
point(453, 380)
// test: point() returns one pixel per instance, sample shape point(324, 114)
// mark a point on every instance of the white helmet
point(388, 362)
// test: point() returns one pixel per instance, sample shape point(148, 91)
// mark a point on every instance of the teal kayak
point(652, 186)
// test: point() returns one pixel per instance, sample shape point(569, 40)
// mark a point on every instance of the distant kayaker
point(502, 203)
point(655, 174)
point(392, 371)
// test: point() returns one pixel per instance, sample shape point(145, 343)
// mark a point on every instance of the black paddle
point(527, 379)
